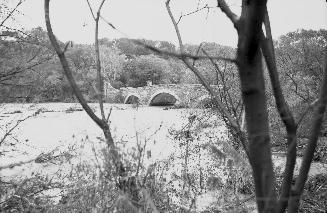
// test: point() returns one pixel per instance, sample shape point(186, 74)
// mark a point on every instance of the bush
point(73, 109)
point(207, 103)
point(314, 198)
point(119, 98)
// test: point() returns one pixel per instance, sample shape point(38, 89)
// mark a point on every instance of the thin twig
point(183, 54)
point(196, 71)
point(11, 12)
point(190, 13)
point(88, 3)
point(98, 62)
point(67, 44)
point(109, 113)
point(107, 22)
point(8, 133)
point(197, 51)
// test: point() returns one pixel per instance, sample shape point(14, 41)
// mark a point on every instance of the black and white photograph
point(163, 106)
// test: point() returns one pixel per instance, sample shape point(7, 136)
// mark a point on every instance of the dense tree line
point(300, 59)
point(30, 72)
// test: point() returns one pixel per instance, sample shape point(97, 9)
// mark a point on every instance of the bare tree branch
point(14, 72)
point(197, 51)
point(224, 84)
point(183, 54)
point(107, 22)
point(67, 44)
point(100, 7)
point(88, 3)
point(181, 46)
point(9, 132)
point(239, 131)
point(67, 69)
point(284, 113)
point(235, 127)
point(98, 62)
point(197, 73)
point(229, 13)
point(296, 90)
point(11, 12)
point(193, 12)
point(102, 123)
point(311, 146)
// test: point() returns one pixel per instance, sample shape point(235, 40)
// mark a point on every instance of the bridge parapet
point(184, 94)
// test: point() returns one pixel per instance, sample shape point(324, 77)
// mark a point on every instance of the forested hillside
point(30, 72)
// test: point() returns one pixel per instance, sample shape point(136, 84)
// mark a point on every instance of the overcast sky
point(149, 19)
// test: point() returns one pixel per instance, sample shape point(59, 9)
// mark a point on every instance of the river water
point(64, 124)
point(60, 126)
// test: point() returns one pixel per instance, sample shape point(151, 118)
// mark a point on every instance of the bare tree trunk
point(249, 61)
point(249, 58)
point(284, 113)
point(101, 122)
point(98, 62)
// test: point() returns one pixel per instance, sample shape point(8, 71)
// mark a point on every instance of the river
point(64, 124)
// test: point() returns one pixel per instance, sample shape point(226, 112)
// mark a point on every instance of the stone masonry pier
point(164, 94)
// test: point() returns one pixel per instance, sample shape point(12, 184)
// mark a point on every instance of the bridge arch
point(163, 97)
point(132, 99)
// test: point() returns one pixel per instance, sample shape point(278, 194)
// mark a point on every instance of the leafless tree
point(102, 121)
point(253, 45)
point(122, 202)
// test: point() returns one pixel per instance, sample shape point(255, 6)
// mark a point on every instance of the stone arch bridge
point(165, 94)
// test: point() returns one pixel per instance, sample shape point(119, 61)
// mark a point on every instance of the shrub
point(314, 198)
point(119, 98)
